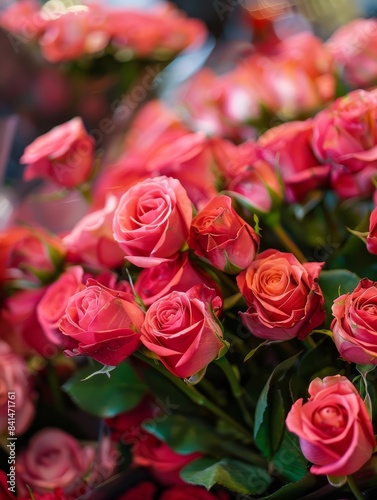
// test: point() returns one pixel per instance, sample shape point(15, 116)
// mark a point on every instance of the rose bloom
point(355, 323)
point(345, 137)
point(102, 323)
point(181, 330)
point(14, 377)
point(52, 305)
point(287, 148)
point(23, 19)
point(179, 274)
point(152, 221)
point(52, 459)
point(334, 428)
point(283, 297)
point(91, 240)
point(354, 48)
point(372, 233)
point(219, 235)
point(64, 155)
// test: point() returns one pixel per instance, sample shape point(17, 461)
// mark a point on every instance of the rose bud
point(283, 297)
point(334, 427)
point(102, 323)
point(219, 235)
point(181, 329)
point(64, 155)
point(152, 221)
point(355, 323)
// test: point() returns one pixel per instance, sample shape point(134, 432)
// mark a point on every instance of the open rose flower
point(283, 297)
point(64, 155)
point(102, 323)
point(182, 330)
point(345, 137)
point(333, 426)
point(152, 221)
point(355, 323)
point(219, 235)
point(52, 459)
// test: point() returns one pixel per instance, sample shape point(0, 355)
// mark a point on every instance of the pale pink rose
point(335, 430)
point(91, 241)
point(14, 387)
point(182, 330)
point(52, 459)
point(152, 221)
point(52, 305)
point(64, 155)
point(354, 48)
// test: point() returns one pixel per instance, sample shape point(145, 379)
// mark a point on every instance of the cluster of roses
point(67, 31)
point(168, 242)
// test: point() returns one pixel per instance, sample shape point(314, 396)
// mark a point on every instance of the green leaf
point(289, 460)
point(253, 351)
point(103, 396)
point(293, 491)
point(334, 283)
point(232, 474)
point(270, 414)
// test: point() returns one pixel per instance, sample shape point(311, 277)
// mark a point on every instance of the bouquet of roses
point(206, 327)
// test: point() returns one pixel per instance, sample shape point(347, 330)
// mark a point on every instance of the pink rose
point(345, 137)
point(91, 241)
point(287, 148)
point(23, 19)
point(53, 459)
point(179, 274)
point(334, 427)
point(102, 323)
point(181, 329)
point(354, 48)
point(64, 155)
point(152, 221)
point(15, 390)
point(372, 233)
point(283, 297)
point(218, 234)
point(355, 323)
point(52, 305)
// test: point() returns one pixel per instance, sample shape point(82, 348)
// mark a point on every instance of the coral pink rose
point(53, 459)
point(52, 305)
point(91, 240)
point(14, 379)
point(287, 148)
point(152, 221)
point(102, 323)
point(355, 323)
point(345, 137)
point(354, 48)
point(23, 19)
point(177, 275)
point(372, 233)
point(180, 328)
point(334, 427)
point(283, 297)
point(219, 235)
point(64, 155)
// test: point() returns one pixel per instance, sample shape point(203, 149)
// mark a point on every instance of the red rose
point(152, 221)
point(63, 155)
point(102, 323)
point(334, 427)
point(181, 329)
point(219, 235)
point(355, 323)
point(283, 297)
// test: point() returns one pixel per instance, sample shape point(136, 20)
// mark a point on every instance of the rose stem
point(288, 242)
point(197, 397)
point(354, 488)
point(237, 392)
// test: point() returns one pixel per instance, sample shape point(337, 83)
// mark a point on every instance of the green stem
point(198, 398)
point(288, 242)
point(236, 389)
point(309, 343)
point(354, 488)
